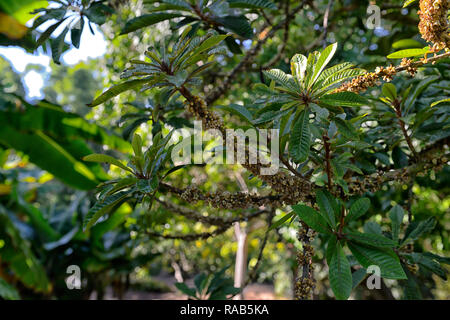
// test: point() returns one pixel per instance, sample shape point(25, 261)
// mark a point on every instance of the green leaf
point(46, 34)
point(411, 289)
point(409, 53)
point(103, 158)
point(61, 241)
point(440, 101)
point(331, 248)
point(98, 12)
point(103, 207)
point(185, 289)
point(252, 4)
point(7, 291)
point(389, 91)
point(407, 44)
point(357, 209)
point(209, 43)
point(346, 129)
point(282, 78)
point(17, 254)
point(312, 218)
point(328, 206)
point(372, 227)
point(343, 99)
point(148, 186)
point(238, 110)
point(48, 155)
point(147, 20)
point(436, 257)
point(237, 24)
point(419, 229)
point(430, 265)
point(75, 33)
point(329, 72)
point(56, 14)
point(385, 259)
point(396, 215)
point(116, 90)
point(298, 68)
point(325, 56)
point(300, 139)
point(410, 98)
point(358, 276)
point(399, 157)
point(136, 143)
point(57, 45)
point(200, 281)
point(281, 221)
point(36, 218)
point(337, 78)
point(408, 2)
point(340, 274)
point(371, 239)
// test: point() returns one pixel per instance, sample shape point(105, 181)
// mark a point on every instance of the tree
point(344, 151)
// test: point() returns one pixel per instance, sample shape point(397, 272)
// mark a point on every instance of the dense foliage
point(362, 139)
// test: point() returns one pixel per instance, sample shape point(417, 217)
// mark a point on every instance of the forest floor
point(254, 291)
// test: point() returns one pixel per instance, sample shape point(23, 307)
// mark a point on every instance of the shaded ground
point(252, 292)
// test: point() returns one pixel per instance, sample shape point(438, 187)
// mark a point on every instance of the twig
point(252, 274)
point(326, 144)
point(280, 52)
point(191, 236)
point(325, 22)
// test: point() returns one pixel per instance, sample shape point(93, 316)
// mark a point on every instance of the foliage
point(363, 154)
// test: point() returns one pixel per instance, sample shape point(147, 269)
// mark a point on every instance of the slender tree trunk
point(240, 269)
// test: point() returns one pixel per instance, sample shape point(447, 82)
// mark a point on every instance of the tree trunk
point(240, 269)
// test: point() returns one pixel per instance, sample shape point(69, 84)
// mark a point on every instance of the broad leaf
point(346, 129)
point(340, 274)
point(408, 53)
point(300, 139)
point(357, 209)
point(103, 158)
point(237, 24)
point(358, 276)
point(325, 56)
point(371, 239)
point(396, 215)
point(343, 99)
point(416, 230)
point(252, 4)
point(328, 206)
point(385, 259)
point(116, 90)
point(389, 91)
point(104, 207)
point(312, 218)
point(281, 221)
